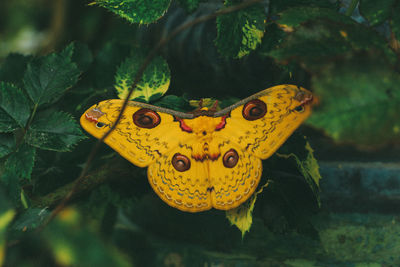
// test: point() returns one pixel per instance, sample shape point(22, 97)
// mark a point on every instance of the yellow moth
point(204, 159)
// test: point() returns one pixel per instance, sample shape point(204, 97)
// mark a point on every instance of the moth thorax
point(203, 125)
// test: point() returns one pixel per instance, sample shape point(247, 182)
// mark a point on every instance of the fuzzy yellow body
point(202, 162)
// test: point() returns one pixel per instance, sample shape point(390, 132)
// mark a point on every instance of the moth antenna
point(214, 106)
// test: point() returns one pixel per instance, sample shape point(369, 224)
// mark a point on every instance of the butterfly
point(206, 158)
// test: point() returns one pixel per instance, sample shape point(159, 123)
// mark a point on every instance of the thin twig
point(138, 76)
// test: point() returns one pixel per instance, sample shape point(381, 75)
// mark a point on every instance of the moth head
point(94, 121)
point(303, 100)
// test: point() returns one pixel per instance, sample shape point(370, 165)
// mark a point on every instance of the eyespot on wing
point(254, 110)
point(146, 118)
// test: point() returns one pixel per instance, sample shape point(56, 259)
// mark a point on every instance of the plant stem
point(351, 7)
point(20, 137)
point(31, 118)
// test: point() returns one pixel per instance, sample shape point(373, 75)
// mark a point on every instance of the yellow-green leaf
point(137, 11)
point(309, 168)
point(153, 84)
point(240, 32)
point(5, 218)
point(242, 216)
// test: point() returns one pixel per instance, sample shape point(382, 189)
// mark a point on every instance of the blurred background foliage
point(59, 57)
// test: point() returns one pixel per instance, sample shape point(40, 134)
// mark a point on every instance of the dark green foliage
point(13, 68)
point(73, 243)
point(56, 131)
point(376, 11)
point(325, 39)
point(293, 17)
point(27, 125)
point(304, 161)
point(273, 37)
point(17, 169)
point(47, 78)
point(338, 54)
point(395, 21)
point(7, 144)
point(20, 163)
point(14, 108)
point(189, 5)
point(80, 54)
point(108, 59)
point(173, 102)
point(4, 202)
point(278, 6)
point(30, 219)
point(362, 103)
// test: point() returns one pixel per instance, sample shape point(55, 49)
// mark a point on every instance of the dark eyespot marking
point(100, 125)
point(230, 158)
point(180, 162)
point(146, 118)
point(254, 110)
point(299, 109)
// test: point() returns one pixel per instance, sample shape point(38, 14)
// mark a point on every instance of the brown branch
point(115, 168)
point(138, 76)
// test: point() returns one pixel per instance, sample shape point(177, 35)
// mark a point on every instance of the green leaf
point(14, 108)
point(47, 78)
point(240, 32)
point(293, 17)
point(173, 102)
point(359, 100)
point(30, 219)
point(272, 38)
point(57, 131)
point(310, 42)
point(376, 12)
point(76, 244)
point(13, 68)
point(18, 166)
point(20, 163)
point(189, 5)
point(309, 168)
point(80, 54)
point(12, 185)
point(7, 144)
point(5, 203)
point(242, 216)
point(137, 11)
point(6, 217)
point(107, 60)
point(153, 84)
point(277, 6)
